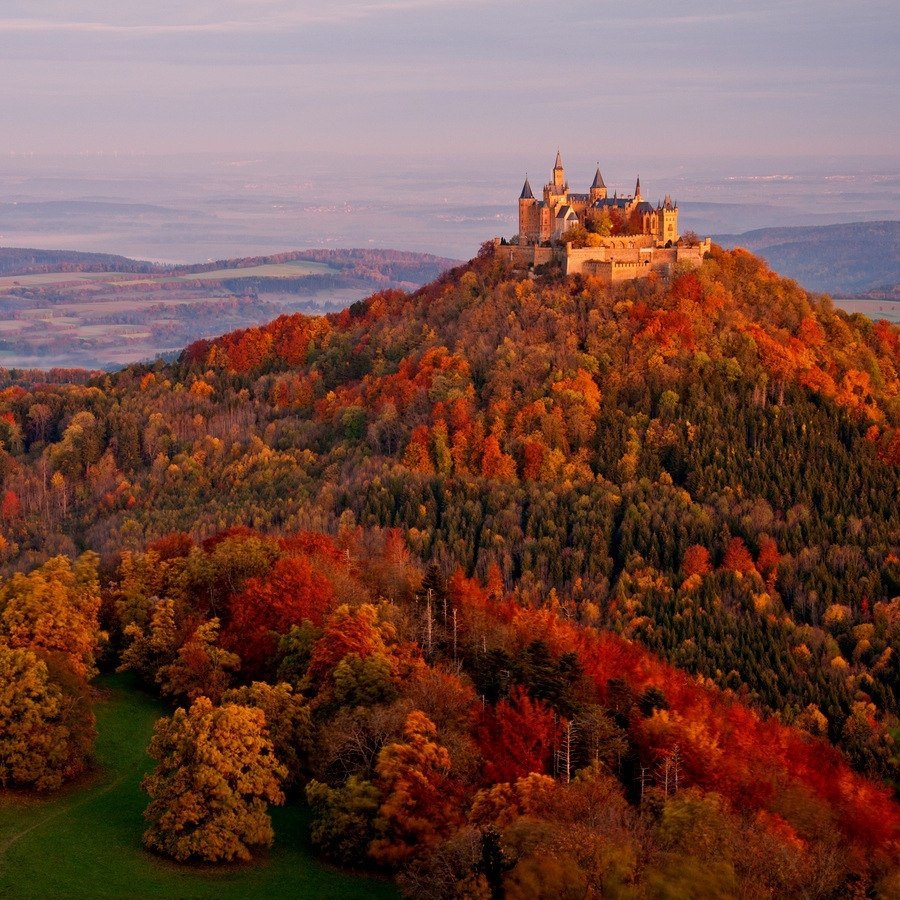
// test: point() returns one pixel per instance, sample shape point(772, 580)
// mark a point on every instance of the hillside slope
point(706, 465)
point(851, 258)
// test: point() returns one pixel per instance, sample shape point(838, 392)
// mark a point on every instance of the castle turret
point(598, 188)
point(559, 175)
point(556, 194)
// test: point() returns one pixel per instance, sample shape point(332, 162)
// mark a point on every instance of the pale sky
point(801, 79)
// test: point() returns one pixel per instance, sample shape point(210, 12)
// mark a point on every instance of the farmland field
point(86, 841)
point(95, 320)
point(293, 269)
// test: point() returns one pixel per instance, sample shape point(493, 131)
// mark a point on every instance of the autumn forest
point(518, 585)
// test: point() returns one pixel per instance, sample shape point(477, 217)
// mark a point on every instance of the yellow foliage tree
point(216, 771)
point(55, 608)
point(288, 720)
point(149, 649)
point(44, 735)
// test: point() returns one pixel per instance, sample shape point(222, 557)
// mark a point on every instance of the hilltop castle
point(616, 238)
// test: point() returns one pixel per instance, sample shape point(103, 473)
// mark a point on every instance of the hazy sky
point(804, 79)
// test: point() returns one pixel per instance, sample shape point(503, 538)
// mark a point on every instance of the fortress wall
point(577, 258)
point(693, 255)
point(613, 271)
point(611, 263)
point(626, 271)
point(524, 257)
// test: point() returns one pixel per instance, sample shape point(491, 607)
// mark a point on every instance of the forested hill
point(373, 266)
point(851, 258)
point(457, 540)
point(29, 261)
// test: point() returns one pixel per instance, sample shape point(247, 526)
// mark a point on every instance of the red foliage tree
point(516, 737)
point(696, 561)
point(738, 558)
point(495, 463)
point(768, 559)
point(533, 453)
point(172, 546)
point(267, 608)
point(346, 631)
point(10, 508)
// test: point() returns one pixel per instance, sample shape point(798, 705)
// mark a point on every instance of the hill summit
point(611, 238)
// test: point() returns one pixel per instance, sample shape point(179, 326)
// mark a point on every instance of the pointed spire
point(598, 179)
point(558, 164)
point(637, 187)
point(526, 191)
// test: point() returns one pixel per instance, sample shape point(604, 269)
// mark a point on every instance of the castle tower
point(598, 188)
point(556, 195)
point(527, 209)
point(637, 190)
point(668, 222)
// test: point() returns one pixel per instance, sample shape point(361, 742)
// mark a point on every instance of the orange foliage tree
point(419, 805)
point(215, 773)
point(55, 608)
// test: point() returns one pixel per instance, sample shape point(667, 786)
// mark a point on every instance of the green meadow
point(86, 841)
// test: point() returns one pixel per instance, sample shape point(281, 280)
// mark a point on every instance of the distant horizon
point(190, 208)
point(253, 126)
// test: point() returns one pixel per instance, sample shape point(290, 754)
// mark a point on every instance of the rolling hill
point(850, 259)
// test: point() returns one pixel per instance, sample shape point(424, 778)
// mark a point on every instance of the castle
point(615, 238)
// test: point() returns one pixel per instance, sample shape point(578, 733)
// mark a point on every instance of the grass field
point(44, 279)
point(86, 842)
point(874, 309)
point(293, 269)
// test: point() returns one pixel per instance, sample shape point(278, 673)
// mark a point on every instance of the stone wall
point(525, 257)
point(620, 260)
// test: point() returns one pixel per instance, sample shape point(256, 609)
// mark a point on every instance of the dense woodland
point(536, 490)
